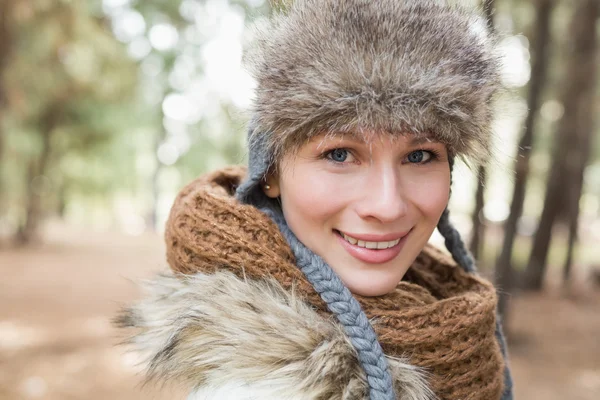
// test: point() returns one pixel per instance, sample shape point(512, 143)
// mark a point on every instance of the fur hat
point(364, 66)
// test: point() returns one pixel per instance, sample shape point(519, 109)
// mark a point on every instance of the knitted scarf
point(440, 317)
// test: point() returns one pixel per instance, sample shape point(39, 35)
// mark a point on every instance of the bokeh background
point(108, 107)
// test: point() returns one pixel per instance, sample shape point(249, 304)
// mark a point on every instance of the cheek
point(310, 198)
point(430, 195)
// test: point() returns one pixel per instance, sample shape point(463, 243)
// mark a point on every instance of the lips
point(373, 249)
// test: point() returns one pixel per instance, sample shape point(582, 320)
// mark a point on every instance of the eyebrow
point(415, 139)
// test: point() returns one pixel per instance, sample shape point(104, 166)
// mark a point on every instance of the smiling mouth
point(369, 245)
point(370, 242)
point(369, 250)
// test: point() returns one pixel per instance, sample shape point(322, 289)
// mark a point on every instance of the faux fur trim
point(364, 66)
point(217, 331)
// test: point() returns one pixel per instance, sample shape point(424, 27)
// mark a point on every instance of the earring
point(267, 186)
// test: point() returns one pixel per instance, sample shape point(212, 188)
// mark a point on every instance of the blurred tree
point(66, 70)
point(571, 149)
point(478, 230)
point(6, 12)
point(540, 38)
point(584, 63)
point(48, 121)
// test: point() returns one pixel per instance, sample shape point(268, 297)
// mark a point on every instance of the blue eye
point(338, 155)
point(419, 156)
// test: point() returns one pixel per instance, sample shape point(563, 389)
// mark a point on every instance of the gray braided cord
point(454, 243)
point(346, 309)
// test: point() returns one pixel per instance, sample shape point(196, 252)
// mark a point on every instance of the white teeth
point(370, 245)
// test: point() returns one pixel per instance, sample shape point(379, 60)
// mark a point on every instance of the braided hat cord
point(346, 309)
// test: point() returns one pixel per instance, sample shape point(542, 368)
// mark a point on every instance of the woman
point(308, 275)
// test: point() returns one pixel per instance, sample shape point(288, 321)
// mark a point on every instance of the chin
point(372, 286)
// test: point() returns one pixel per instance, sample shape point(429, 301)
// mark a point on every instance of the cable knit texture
point(440, 317)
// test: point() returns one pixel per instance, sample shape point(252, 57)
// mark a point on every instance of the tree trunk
point(152, 218)
point(572, 209)
point(5, 45)
point(153, 214)
point(478, 228)
point(61, 206)
point(573, 228)
point(585, 61)
point(33, 212)
point(5, 50)
point(38, 167)
point(540, 40)
point(478, 231)
point(571, 152)
point(553, 202)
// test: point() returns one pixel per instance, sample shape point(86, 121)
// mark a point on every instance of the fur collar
point(232, 338)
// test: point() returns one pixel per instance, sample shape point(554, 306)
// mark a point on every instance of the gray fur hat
point(397, 66)
point(368, 67)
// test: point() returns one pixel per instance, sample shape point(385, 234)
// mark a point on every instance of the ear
point(271, 186)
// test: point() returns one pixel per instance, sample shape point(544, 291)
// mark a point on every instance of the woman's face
point(367, 209)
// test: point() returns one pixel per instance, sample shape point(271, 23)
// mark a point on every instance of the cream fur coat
point(232, 339)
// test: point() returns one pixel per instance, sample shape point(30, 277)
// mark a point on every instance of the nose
point(383, 198)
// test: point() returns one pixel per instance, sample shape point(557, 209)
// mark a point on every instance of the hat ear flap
point(259, 161)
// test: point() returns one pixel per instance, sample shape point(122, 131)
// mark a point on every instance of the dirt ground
point(57, 343)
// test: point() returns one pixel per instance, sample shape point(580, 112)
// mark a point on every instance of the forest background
point(108, 107)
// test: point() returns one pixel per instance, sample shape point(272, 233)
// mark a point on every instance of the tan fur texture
point(365, 66)
point(222, 335)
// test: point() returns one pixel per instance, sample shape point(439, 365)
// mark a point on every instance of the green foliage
point(67, 85)
point(84, 110)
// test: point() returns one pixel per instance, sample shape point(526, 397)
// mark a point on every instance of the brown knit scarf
point(439, 316)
